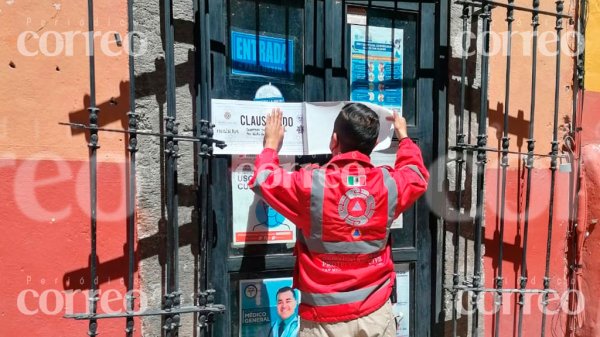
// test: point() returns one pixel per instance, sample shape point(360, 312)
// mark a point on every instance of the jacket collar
point(352, 156)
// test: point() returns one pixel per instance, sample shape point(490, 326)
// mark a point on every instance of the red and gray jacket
point(343, 212)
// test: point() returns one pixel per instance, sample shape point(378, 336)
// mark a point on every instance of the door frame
point(325, 78)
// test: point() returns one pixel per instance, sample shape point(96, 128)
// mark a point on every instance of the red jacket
point(343, 212)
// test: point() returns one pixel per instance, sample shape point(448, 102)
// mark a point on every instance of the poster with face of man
point(268, 308)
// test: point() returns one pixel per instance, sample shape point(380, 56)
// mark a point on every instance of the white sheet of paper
point(241, 125)
point(386, 128)
point(388, 157)
point(319, 120)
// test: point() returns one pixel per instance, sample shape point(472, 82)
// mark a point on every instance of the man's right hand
point(274, 130)
point(399, 125)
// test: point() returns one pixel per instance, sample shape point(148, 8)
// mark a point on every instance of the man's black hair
point(284, 289)
point(357, 128)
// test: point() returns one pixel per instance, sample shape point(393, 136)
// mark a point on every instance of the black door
point(311, 59)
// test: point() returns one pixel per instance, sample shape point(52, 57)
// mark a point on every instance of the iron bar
point(529, 166)
point(93, 147)
point(480, 3)
point(179, 138)
point(506, 290)
point(257, 32)
point(216, 308)
point(129, 324)
point(504, 164)
point(204, 150)
point(471, 148)
point(288, 71)
point(559, 9)
point(574, 177)
point(460, 139)
point(199, 78)
point(172, 295)
point(486, 18)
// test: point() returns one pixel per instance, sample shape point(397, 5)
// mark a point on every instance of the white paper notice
point(388, 157)
point(255, 222)
point(241, 124)
point(308, 126)
point(386, 128)
point(320, 118)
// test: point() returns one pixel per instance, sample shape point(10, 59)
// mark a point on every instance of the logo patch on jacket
point(354, 181)
point(356, 206)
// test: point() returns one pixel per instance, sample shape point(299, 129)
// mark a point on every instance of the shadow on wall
point(146, 247)
point(518, 133)
point(116, 109)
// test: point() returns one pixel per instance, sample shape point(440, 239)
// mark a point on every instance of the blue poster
point(376, 65)
point(268, 308)
point(276, 55)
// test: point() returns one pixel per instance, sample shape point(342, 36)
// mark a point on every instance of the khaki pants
point(380, 323)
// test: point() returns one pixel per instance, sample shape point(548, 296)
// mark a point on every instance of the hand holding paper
point(320, 118)
point(399, 125)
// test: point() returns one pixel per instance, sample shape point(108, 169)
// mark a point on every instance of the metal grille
point(473, 284)
point(204, 307)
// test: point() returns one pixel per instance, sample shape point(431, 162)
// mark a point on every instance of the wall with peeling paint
point(588, 277)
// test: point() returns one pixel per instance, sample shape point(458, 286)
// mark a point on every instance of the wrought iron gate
point(171, 310)
point(480, 12)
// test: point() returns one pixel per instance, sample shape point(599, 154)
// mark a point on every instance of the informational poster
point(241, 125)
point(401, 308)
point(254, 221)
point(275, 55)
point(269, 308)
point(308, 126)
point(387, 157)
point(376, 65)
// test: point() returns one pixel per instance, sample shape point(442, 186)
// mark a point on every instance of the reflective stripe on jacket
point(343, 212)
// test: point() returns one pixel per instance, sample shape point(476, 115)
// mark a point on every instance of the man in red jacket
point(343, 212)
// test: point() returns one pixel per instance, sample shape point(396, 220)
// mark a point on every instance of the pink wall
point(588, 277)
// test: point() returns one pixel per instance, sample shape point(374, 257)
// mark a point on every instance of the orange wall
point(44, 201)
point(592, 48)
point(45, 90)
point(520, 85)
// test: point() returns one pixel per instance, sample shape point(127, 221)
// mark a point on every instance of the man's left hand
point(274, 130)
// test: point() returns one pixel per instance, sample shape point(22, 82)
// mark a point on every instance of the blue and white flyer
point(376, 65)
